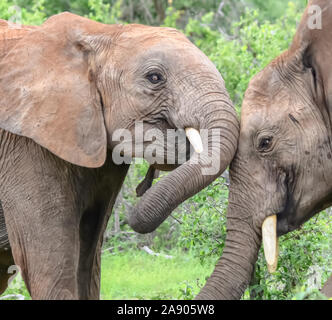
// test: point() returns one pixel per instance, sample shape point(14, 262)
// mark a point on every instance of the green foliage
point(305, 262)
point(203, 217)
point(32, 14)
point(273, 10)
point(249, 47)
point(99, 11)
point(172, 16)
point(309, 294)
point(139, 275)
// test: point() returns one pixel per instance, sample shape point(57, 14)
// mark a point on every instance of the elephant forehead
point(267, 85)
point(151, 35)
point(160, 42)
point(174, 55)
point(179, 53)
point(252, 121)
point(266, 99)
point(263, 113)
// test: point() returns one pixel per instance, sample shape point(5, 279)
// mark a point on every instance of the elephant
point(281, 174)
point(279, 177)
point(67, 88)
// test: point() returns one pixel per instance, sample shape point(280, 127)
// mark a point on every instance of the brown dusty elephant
point(281, 174)
point(66, 88)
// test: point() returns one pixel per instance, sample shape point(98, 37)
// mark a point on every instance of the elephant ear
point(48, 93)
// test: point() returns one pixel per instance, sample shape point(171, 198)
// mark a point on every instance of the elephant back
point(10, 33)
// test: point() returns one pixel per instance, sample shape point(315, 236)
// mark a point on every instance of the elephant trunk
point(189, 178)
point(234, 270)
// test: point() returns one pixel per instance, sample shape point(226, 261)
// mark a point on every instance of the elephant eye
point(155, 78)
point(264, 144)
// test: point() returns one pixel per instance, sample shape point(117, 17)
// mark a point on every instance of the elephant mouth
point(285, 214)
point(283, 224)
point(294, 216)
point(286, 218)
point(283, 219)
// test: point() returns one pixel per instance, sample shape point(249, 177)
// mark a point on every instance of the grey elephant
point(66, 87)
point(281, 174)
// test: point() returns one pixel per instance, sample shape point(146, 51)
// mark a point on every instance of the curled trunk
point(188, 179)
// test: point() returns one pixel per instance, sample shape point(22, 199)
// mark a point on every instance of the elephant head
point(281, 174)
point(73, 84)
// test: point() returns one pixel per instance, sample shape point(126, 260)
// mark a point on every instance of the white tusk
point(195, 139)
point(270, 242)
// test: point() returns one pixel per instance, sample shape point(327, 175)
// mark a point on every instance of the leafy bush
point(248, 49)
point(305, 262)
point(32, 14)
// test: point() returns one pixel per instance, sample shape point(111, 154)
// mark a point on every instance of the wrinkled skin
point(283, 163)
point(327, 289)
point(65, 87)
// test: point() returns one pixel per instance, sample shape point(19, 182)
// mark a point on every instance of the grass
point(139, 275)
point(134, 274)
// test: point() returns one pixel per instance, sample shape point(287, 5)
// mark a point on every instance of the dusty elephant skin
point(283, 163)
point(65, 88)
point(327, 289)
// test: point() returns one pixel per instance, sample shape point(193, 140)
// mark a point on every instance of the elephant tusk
point(195, 139)
point(270, 242)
